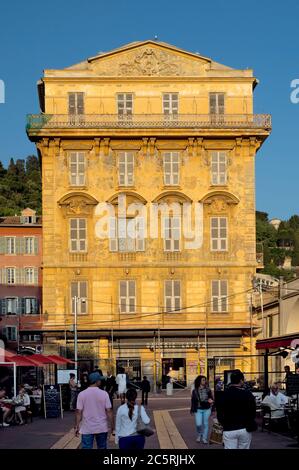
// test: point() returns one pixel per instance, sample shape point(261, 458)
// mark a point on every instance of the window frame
point(172, 298)
point(127, 298)
point(218, 174)
point(126, 112)
point(76, 105)
point(13, 268)
point(126, 175)
point(220, 297)
point(169, 109)
point(78, 240)
point(74, 177)
point(83, 299)
point(171, 155)
point(8, 240)
point(218, 239)
point(170, 228)
point(217, 106)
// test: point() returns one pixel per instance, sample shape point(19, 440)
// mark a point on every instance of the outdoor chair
point(266, 417)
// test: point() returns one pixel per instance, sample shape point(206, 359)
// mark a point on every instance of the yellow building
point(152, 125)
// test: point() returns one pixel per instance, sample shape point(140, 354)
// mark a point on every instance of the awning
point(41, 360)
point(278, 342)
point(59, 360)
point(21, 361)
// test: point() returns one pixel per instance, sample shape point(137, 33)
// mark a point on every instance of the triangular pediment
point(147, 58)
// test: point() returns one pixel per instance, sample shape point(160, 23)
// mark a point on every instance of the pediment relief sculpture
point(77, 204)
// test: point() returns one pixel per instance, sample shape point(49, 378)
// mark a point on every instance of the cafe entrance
point(175, 369)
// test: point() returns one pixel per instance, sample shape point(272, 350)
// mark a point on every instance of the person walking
point(145, 387)
point(201, 403)
point(74, 391)
point(121, 381)
point(126, 435)
point(94, 414)
point(110, 386)
point(236, 413)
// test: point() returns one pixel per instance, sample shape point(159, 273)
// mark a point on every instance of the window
point(217, 103)
point(124, 104)
point(170, 104)
point(171, 164)
point(172, 295)
point(30, 306)
point(218, 168)
point(11, 306)
point(218, 233)
point(77, 168)
point(127, 296)
point(11, 275)
point(28, 219)
point(78, 239)
point(172, 233)
point(31, 338)
point(30, 276)
point(126, 235)
point(79, 290)
point(126, 169)
point(10, 332)
point(31, 245)
point(10, 245)
point(219, 296)
point(76, 103)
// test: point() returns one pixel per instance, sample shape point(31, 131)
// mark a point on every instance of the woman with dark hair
point(126, 435)
point(201, 403)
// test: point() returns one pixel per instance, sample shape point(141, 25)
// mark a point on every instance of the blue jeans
point(131, 442)
point(87, 440)
point(202, 422)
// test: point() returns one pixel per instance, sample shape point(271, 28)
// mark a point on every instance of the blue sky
point(262, 35)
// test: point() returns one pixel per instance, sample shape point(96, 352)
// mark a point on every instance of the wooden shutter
point(123, 296)
point(131, 296)
point(140, 233)
point(83, 297)
point(177, 295)
point(215, 296)
point(2, 245)
point(80, 103)
point(122, 169)
point(72, 103)
point(74, 293)
point(35, 242)
point(35, 276)
point(113, 245)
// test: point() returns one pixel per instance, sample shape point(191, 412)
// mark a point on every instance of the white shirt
point(121, 380)
point(124, 426)
point(276, 403)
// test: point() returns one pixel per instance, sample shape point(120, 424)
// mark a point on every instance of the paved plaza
point(170, 417)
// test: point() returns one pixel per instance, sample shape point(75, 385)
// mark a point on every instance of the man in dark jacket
point(145, 387)
point(236, 413)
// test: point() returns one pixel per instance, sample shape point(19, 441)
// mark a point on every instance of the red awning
point(21, 361)
point(59, 360)
point(41, 360)
point(6, 353)
point(274, 343)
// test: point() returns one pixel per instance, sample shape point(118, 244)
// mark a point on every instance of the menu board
point(52, 401)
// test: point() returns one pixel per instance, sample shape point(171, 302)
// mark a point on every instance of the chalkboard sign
point(52, 401)
point(292, 385)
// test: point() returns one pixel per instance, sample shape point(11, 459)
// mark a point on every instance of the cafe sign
point(175, 345)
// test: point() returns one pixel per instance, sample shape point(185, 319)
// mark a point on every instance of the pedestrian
point(126, 435)
point(84, 381)
point(121, 381)
point(236, 413)
point(94, 415)
point(201, 403)
point(74, 391)
point(110, 386)
point(276, 401)
point(145, 387)
point(22, 401)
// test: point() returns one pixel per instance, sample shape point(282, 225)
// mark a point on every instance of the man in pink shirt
point(94, 414)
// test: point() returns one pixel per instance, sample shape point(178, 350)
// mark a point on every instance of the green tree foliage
point(278, 244)
point(20, 186)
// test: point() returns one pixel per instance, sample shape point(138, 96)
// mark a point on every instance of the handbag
point(216, 436)
point(142, 428)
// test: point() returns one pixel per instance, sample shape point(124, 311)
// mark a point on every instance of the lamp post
point(76, 299)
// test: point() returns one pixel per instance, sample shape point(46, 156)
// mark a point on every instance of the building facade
point(21, 279)
point(149, 125)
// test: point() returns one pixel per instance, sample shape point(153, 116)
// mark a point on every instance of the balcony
point(38, 122)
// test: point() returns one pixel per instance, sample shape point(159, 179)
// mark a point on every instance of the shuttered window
point(172, 295)
point(172, 233)
point(217, 103)
point(218, 168)
point(126, 168)
point(171, 166)
point(125, 104)
point(10, 245)
point(76, 103)
point(30, 245)
point(78, 232)
point(127, 235)
point(11, 307)
point(219, 296)
point(10, 332)
point(79, 291)
point(30, 306)
point(170, 104)
point(30, 275)
point(127, 296)
point(77, 168)
point(10, 276)
point(218, 233)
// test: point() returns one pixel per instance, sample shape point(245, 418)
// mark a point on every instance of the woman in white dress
point(22, 401)
point(121, 380)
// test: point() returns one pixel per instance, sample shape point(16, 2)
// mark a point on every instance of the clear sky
point(258, 34)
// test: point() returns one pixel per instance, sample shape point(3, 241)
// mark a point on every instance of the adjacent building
point(175, 132)
point(21, 279)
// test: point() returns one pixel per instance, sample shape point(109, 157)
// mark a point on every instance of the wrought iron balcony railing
point(179, 121)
